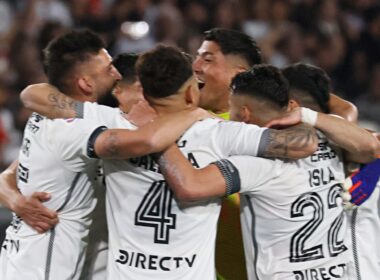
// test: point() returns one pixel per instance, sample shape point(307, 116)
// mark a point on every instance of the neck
point(168, 105)
point(79, 95)
point(221, 107)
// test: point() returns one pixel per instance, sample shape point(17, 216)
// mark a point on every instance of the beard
point(108, 99)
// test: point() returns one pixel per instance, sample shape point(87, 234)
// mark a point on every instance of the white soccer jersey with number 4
point(53, 159)
point(154, 236)
point(292, 217)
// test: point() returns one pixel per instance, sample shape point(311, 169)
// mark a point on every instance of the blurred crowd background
point(341, 36)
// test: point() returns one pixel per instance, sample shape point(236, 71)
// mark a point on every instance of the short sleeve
point(103, 115)
point(254, 172)
point(69, 139)
point(236, 138)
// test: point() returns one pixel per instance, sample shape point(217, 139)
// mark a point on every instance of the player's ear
point(85, 85)
point(292, 104)
point(117, 90)
point(245, 114)
point(190, 95)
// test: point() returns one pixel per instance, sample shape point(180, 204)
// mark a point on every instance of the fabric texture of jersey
point(363, 235)
point(292, 223)
point(154, 236)
point(53, 159)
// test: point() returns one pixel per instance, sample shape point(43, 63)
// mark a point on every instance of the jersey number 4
point(155, 210)
point(298, 252)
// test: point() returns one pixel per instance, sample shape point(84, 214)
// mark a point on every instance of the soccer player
point(57, 157)
point(223, 54)
point(152, 235)
point(363, 222)
point(292, 224)
point(128, 91)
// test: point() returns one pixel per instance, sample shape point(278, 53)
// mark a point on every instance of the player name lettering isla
point(320, 176)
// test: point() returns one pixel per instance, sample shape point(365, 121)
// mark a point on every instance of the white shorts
point(57, 255)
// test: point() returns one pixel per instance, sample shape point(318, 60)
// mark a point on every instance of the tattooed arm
point(359, 145)
point(47, 100)
point(150, 138)
point(295, 142)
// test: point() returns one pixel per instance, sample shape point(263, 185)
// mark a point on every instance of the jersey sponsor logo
point(322, 273)
point(12, 246)
point(26, 147)
point(154, 262)
point(23, 173)
point(324, 152)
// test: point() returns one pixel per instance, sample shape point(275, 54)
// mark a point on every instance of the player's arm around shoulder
point(187, 182)
point(345, 109)
point(30, 209)
point(221, 178)
point(48, 101)
point(150, 138)
point(295, 142)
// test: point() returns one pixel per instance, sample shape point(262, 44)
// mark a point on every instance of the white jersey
point(292, 223)
point(363, 235)
point(151, 234)
point(53, 159)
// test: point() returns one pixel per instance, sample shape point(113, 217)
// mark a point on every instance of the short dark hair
point(236, 43)
point(305, 81)
point(263, 81)
point(125, 63)
point(163, 70)
point(64, 52)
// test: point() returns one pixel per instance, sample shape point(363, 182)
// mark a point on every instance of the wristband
point(309, 116)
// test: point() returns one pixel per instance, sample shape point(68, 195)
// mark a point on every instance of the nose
point(197, 64)
point(116, 74)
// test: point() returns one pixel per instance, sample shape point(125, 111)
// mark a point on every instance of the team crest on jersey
point(70, 120)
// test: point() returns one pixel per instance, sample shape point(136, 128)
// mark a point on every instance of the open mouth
point(201, 84)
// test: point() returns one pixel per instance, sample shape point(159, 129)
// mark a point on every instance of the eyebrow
point(205, 53)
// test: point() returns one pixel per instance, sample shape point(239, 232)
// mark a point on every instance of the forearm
point(360, 144)
point(151, 138)
point(298, 141)
point(343, 108)
point(48, 101)
point(9, 192)
point(188, 183)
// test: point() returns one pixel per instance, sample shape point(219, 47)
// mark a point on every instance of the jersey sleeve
point(254, 172)
point(236, 138)
point(69, 139)
point(103, 115)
